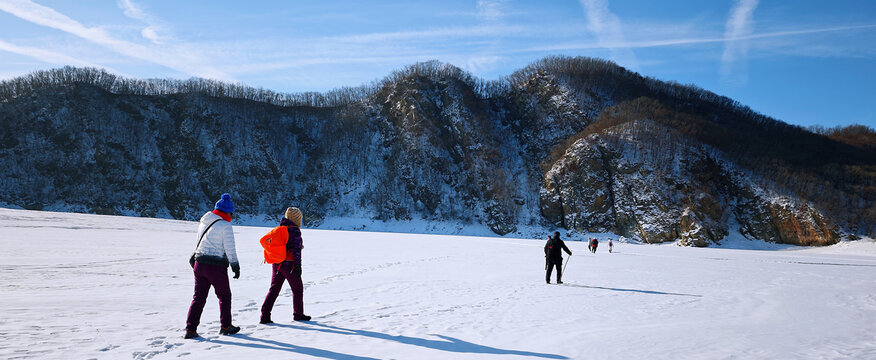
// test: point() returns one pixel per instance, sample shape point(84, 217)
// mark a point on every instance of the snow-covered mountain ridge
point(578, 143)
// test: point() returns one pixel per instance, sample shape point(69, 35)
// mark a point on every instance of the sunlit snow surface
point(78, 286)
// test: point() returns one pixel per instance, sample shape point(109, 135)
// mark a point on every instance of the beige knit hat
point(294, 214)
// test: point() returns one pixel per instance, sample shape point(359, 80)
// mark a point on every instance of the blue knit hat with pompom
point(224, 204)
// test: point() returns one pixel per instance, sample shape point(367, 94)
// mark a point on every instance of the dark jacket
point(295, 243)
point(554, 248)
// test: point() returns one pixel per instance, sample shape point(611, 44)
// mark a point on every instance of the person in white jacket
point(214, 253)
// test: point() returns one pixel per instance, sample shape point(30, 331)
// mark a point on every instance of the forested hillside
point(574, 143)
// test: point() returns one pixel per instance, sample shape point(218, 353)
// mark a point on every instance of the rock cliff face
point(575, 143)
point(623, 180)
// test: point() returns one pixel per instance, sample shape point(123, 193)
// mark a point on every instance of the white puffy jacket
point(217, 247)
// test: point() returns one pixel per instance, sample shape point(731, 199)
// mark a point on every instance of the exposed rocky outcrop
point(623, 180)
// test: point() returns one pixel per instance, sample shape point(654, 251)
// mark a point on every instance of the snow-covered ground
point(78, 286)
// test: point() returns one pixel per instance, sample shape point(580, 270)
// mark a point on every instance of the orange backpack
point(274, 243)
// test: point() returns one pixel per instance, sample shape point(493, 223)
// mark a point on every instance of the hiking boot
point(263, 321)
point(230, 330)
point(548, 281)
point(191, 335)
point(559, 282)
point(301, 318)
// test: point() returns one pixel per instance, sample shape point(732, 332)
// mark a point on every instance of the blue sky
point(803, 62)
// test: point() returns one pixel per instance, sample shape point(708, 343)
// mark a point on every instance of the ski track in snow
point(89, 286)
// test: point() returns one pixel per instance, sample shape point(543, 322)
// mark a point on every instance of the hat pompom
point(224, 204)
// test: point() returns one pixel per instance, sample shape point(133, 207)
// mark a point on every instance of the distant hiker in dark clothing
point(286, 268)
point(215, 252)
point(593, 244)
point(554, 257)
point(610, 246)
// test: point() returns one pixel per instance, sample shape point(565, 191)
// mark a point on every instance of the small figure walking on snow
point(610, 246)
point(593, 244)
point(553, 254)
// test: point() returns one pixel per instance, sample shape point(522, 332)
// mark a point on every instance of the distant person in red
point(214, 253)
point(593, 244)
point(553, 253)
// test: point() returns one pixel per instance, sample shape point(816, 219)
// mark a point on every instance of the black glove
point(236, 269)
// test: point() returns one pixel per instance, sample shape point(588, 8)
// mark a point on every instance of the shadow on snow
point(631, 290)
point(446, 343)
point(277, 345)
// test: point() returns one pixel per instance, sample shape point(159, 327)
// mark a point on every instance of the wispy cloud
point(681, 41)
point(489, 40)
point(152, 30)
point(474, 45)
point(47, 56)
point(819, 43)
point(609, 31)
point(486, 30)
point(179, 59)
point(485, 59)
point(482, 63)
point(491, 10)
point(739, 26)
point(463, 46)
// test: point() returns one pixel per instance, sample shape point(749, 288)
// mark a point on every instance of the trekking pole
point(567, 263)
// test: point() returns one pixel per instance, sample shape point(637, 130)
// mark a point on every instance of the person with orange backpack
point(282, 247)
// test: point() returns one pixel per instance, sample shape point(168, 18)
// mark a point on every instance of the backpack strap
point(205, 233)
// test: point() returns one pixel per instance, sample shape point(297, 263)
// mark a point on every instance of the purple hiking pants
point(205, 276)
point(284, 271)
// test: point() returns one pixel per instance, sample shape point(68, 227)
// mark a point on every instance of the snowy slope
point(87, 286)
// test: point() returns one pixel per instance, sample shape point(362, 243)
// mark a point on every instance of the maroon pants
point(285, 271)
point(205, 276)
